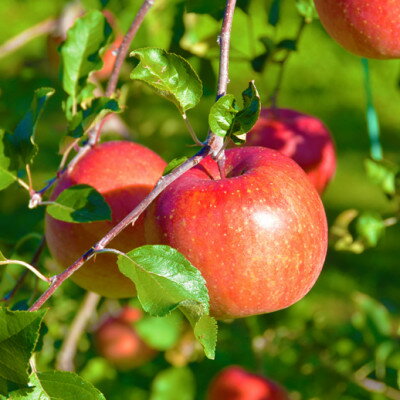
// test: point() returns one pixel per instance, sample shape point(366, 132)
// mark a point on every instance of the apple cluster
point(258, 235)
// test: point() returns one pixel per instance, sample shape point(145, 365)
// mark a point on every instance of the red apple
point(258, 236)
point(117, 340)
point(124, 173)
point(235, 383)
point(302, 137)
point(366, 28)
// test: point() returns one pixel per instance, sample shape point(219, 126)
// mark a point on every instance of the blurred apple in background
point(302, 137)
point(235, 383)
point(117, 340)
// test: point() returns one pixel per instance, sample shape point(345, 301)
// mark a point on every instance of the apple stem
point(65, 359)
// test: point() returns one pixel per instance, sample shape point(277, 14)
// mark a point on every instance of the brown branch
point(122, 52)
point(66, 356)
point(26, 36)
point(213, 146)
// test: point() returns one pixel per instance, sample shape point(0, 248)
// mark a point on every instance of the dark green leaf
point(287, 44)
point(274, 12)
point(19, 332)
point(57, 385)
point(7, 173)
point(85, 119)
point(168, 382)
point(169, 75)
point(149, 329)
point(80, 203)
point(81, 51)
point(370, 227)
point(215, 8)
point(176, 162)
point(248, 115)
point(22, 140)
point(382, 173)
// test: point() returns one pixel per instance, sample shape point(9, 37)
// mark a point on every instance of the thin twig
point(66, 356)
point(13, 44)
point(28, 266)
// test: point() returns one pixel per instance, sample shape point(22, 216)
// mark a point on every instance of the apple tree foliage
point(320, 348)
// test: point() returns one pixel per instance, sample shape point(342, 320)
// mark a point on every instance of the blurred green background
point(343, 332)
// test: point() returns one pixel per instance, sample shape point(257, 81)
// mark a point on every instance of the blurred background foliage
point(341, 341)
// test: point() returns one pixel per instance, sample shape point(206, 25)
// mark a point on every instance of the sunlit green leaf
point(370, 227)
point(169, 75)
point(176, 162)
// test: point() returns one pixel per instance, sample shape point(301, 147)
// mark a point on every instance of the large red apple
point(235, 383)
point(258, 236)
point(302, 137)
point(366, 28)
point(124, 173)
point(117, 340)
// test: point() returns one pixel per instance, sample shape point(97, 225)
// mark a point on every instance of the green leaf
point(225, 119)
point(169, 75)
point(274, 12)
point(306, 9)
point(165, 280)
point(80, 203)
point(19, 332)
point(22, 140)
point(85, 119)
point(2, 258)
point(149, 329)
point(7, 173)
point(176, 162)
point(57, 385)
point(168, 382)
point(222, 115)
point(370, 227)
point(382, 173)
point(215, 8)
point(80, 52)
point(248, 116)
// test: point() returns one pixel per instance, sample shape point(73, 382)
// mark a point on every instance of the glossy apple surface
point(117, 340)
point(258, 236)
point(302, 137)
point(366, 28)
point(124, 173)
point(235, 383)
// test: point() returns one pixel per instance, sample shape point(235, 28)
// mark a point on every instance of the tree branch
point(212, 146)
point(66, 356)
